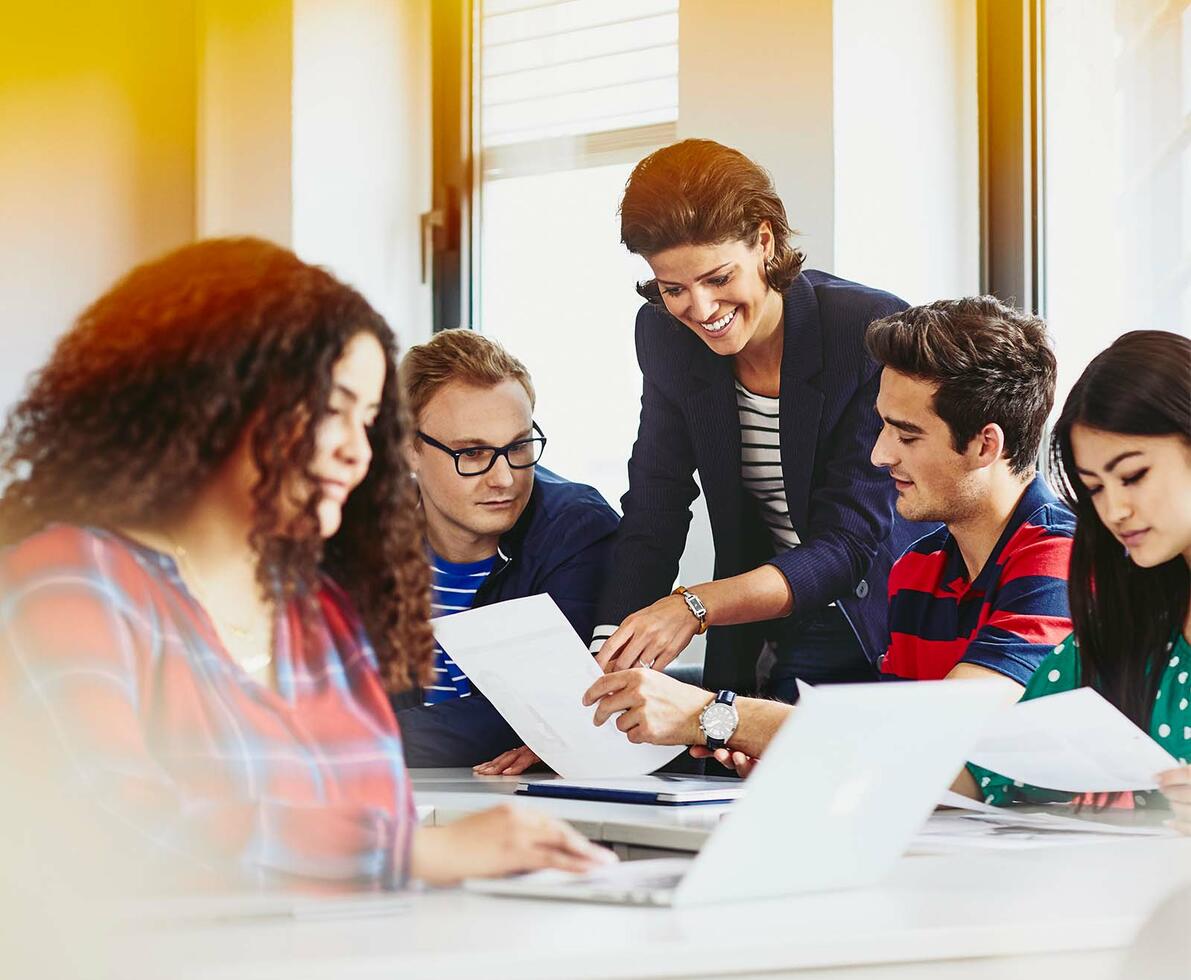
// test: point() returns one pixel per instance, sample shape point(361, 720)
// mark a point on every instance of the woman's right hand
point(504, 840)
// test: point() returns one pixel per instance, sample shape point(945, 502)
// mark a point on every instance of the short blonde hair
point(458, 355)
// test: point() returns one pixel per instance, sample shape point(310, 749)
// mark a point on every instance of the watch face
point(719, 720)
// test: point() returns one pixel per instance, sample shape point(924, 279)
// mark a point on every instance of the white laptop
point(846, 783)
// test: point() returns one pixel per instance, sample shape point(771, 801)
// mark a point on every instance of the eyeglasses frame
point(497, 451)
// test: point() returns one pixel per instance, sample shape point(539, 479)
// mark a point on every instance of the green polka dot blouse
point(1170, 721)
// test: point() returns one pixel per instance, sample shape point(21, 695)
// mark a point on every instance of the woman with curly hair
point(214, 575)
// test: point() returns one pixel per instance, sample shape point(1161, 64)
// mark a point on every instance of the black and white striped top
point(761, 472)
point(761, 464)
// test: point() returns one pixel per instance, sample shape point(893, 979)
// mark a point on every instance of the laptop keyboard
point(661, 874)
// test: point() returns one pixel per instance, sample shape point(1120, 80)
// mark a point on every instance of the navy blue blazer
point(841, 506)
point(560, 545)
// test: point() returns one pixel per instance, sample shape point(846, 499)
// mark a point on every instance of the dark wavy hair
point(160, 379)
point(699, 192)
point(991, 363)
point(1124, 615)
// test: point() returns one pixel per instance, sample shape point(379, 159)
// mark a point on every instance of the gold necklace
point(251, 665)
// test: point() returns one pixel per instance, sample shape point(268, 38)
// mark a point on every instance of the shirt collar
point(1036, 495)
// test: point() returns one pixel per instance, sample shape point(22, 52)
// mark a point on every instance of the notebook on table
point(662, 789)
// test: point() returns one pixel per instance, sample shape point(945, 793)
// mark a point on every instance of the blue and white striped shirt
point(453, 589)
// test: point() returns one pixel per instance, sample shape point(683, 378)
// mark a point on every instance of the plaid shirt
point(99, 635)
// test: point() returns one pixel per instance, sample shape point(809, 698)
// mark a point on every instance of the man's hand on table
point(511, 763)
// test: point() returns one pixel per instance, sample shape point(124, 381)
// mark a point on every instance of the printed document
point(1074, 742)
point(528, 661)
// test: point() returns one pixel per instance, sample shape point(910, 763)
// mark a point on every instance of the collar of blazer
point(713, 403)
point(802, 349)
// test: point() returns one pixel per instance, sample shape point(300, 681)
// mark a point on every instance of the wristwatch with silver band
point(719, 719)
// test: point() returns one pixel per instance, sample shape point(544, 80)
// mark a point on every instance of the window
point(1117, 173)
point(571, 95)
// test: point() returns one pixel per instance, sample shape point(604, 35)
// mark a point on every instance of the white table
point(1056, 911)
point(627, 827)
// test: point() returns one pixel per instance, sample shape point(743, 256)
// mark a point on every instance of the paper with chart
point(527, 660)
point(1075, 742)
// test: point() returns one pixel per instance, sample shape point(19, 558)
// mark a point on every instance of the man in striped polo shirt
point(966, 388)
point(498, 526)
point(965, 392)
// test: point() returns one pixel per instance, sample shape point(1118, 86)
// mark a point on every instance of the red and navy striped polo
point(1007, 618)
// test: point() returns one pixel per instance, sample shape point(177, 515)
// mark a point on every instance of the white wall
point(97, 117)
point(245, 67)
point(758, 76)
point(362, 149)
point(1118, 177)
point(127, 128)
point(907, 178)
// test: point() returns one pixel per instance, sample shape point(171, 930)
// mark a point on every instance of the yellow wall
point(97, 151)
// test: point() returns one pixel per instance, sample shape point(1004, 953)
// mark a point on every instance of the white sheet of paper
point(975, 814)
point(950, 832)
point(528, 661)
point(1075, 742)
point(959, 802)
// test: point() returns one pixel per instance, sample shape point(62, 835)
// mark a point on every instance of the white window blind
point(575, 83)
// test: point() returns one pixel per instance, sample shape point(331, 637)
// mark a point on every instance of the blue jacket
point(559, 545)
point(841, 506)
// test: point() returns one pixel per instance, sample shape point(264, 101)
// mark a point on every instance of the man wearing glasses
point(498, 527)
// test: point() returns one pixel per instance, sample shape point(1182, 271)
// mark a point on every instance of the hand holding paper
point(1074, 742)
point(527, 660)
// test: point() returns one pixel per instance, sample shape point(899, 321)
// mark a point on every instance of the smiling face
point(719, 291)
point(466, 515)
point(342, 451)
point(933, 481)
point(1141, 489)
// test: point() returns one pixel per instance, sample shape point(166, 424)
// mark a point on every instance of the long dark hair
point(159, 380)
point(1124, 615)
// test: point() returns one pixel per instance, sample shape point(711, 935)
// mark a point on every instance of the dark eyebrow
point(348, 393)
point(471, 441)
point(1111, 464)
point(905, 426)
point(706, 275)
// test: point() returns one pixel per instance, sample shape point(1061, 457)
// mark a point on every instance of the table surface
point(455, 793)
point(1003, 913)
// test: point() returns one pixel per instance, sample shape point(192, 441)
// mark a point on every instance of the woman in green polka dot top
point(1121, 455)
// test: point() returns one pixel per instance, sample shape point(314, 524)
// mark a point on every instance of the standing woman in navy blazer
point(755, 376)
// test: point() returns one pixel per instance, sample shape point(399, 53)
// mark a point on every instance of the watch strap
point(695, 605)
point(724, 697)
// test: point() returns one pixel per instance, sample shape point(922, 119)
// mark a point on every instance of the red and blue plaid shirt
point(99, 635)
point(1007, 618)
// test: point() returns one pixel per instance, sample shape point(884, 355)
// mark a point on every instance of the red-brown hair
point(699, 192)
point(157, 382)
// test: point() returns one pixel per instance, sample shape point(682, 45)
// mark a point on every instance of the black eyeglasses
point(477, 460)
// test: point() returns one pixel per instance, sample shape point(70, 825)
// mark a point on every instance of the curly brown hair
point(158, 381)
point(699, 192)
